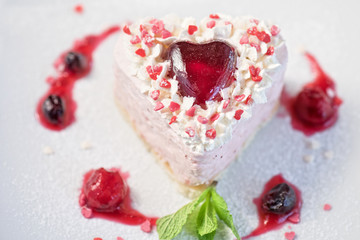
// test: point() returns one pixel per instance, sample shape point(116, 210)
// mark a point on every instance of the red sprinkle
point(257, 78)
point(154, 71)
point(140, 52)
point(255, 45)
point(144, 33)
point(190, 131)
point(190, 112)
point(172, 120)
point(173, 107)
point(97, 238)
point(126, 29)
point(270, 51)
point(158, 106)
point(274, 30)
point(214, 117)
point(86, 212)
point(214, 16)
point(158, 26)
point(263, 36)
point(146, 226)
point(327, 207)
point(238, 114)
point(248, 99)
point(79, 8)
point(244, 39)
point(252, 31)
point(135, 40)
point(202, 120)
point(289, 235)
point(155, 94)
point(254, 72)
point(165, 83)
point(147, 38)
point(165, 34)
point(211, 133)
point(211, 24)
point(239, 98)
point(226, 104)
point(192, 29)
point(119, 238)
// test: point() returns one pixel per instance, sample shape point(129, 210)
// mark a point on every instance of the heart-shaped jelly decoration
point(202, 69)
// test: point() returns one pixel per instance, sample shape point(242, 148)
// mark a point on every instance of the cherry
point(280, 199)
point(202, 69)
point(75, 62)
point(105, 190)
point(313, 106)
point(54, 109)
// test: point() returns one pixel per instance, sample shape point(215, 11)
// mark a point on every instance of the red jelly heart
point(202, 69)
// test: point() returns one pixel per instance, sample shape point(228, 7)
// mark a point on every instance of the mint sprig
point(212, 208)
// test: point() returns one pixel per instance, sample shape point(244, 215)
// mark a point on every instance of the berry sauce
point(56, 109)
point(315, 108)
point(202, 69)
point(105, 194)
point(271, 221)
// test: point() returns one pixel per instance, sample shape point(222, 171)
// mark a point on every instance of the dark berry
point(54, 109)
point(313, 106)
point(75, 62)
point(280, 199)
point(105, 190)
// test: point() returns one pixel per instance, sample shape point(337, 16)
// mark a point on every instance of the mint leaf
point(209, 236)
point(170, 226)
point(223, 213)
point(206, 220)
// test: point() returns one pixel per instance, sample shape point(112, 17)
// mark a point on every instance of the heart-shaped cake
point(198, 92)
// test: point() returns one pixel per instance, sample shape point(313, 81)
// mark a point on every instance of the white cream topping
point(228, 29)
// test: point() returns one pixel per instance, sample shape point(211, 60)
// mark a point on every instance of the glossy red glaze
point(271, 221)
point(121, 210)
point(62, 84)
point(104, 190)
point(315, 108)
point(202, 69)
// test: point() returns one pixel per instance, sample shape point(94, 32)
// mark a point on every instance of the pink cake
point(198, 92)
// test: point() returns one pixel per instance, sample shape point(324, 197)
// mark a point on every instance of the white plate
point(39, 193)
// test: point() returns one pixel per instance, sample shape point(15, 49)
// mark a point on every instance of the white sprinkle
point(308, 158)
point(86, 145)
point(48, 150)
point(313, 144)
point(328, 154)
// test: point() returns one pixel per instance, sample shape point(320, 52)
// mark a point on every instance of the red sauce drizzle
point(124, 213)
point(62, 84)
point(270, 221)
point(319, 111)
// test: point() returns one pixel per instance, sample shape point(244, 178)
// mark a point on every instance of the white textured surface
point(38, 192)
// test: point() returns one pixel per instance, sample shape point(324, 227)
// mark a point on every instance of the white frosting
point(226, 29)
